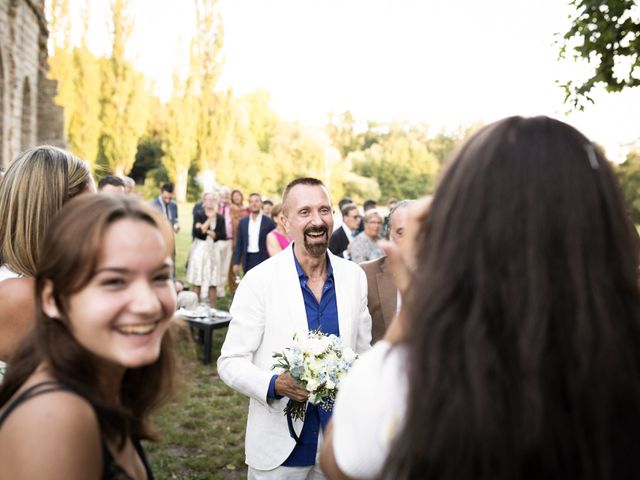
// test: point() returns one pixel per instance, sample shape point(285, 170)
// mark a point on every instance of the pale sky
point(448, 63)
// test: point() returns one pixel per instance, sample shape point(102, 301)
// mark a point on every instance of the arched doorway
point(26, 130)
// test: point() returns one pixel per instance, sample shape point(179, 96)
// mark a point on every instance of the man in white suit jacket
point(271, 304)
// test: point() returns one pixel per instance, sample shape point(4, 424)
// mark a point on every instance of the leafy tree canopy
point(606, 33)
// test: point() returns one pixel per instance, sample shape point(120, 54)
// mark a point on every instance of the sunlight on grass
point(202, 431)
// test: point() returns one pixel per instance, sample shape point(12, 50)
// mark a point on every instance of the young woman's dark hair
point(70, 253)
point(524, 344)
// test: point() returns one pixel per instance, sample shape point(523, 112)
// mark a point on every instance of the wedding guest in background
point(164, 203)
point(337, 214)
point(111, 184)
point(76, 399)
point(368, 205)
point(208, 227)
point(238, 211)
point(391, 204)
point(225, 246)
point(330, 294)
point(517, 350)
point(364, 246)
point(34, 188)
point(383, 297)
point(251, 244)
point(185, 298)
point(341, 239)
point(237, 200)
point(129, 185)
point(277, 239)
point(267, 207)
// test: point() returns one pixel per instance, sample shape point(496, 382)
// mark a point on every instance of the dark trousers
point(253, 260)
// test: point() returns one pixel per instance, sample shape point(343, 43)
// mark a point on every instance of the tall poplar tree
point(215, 117)
point(180, 133)
point(124, 99)
point(78, 74)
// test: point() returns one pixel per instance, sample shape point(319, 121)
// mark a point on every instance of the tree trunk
point(207, 179)
point(181, 184)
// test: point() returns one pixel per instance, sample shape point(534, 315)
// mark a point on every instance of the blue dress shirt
point(323, 315)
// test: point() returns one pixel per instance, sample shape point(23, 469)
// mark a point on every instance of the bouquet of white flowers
point(318, 362)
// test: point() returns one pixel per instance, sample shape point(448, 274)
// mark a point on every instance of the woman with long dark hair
point(77, 396)
point(517, 352)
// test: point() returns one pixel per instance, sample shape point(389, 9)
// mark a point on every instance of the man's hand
point(287, 386)
point(176, 227)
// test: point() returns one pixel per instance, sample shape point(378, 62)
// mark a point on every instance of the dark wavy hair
point(70, 253)
point(524, 344)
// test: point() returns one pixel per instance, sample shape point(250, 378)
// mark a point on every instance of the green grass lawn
point(202, 431)
point(183, 238)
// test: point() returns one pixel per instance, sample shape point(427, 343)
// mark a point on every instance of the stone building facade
point(28, 115)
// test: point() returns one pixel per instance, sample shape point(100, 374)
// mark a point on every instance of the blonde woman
point(365, 246)
point(36, 185)
point(208, 228)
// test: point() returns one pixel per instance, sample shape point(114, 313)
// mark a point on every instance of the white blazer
point(268, 308)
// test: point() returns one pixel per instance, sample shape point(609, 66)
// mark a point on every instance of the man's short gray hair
point(399, 205)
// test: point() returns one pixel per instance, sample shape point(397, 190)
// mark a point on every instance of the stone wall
point(28, 115)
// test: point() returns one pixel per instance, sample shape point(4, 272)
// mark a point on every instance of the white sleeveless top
point(5, 274)
point(369, 410)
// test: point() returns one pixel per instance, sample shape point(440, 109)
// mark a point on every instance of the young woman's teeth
point(136, 329)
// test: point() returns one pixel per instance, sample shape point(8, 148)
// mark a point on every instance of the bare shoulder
point(52, 435)
point(17, 312)
point(17, 289)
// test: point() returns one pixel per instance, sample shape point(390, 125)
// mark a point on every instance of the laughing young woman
point(78, 393)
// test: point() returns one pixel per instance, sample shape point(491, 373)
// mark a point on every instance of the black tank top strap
point(111, 470)
point(33, 391)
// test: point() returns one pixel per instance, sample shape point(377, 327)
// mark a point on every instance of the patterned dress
point(364, 249)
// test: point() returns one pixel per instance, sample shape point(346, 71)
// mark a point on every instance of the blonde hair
point(276, 210)
point(34, 188)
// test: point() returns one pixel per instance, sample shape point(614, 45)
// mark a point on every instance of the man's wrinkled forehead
point(308, 196)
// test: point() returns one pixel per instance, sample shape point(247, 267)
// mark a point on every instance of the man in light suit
point(301, 288)
point(251, 242)
point(341, 237)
